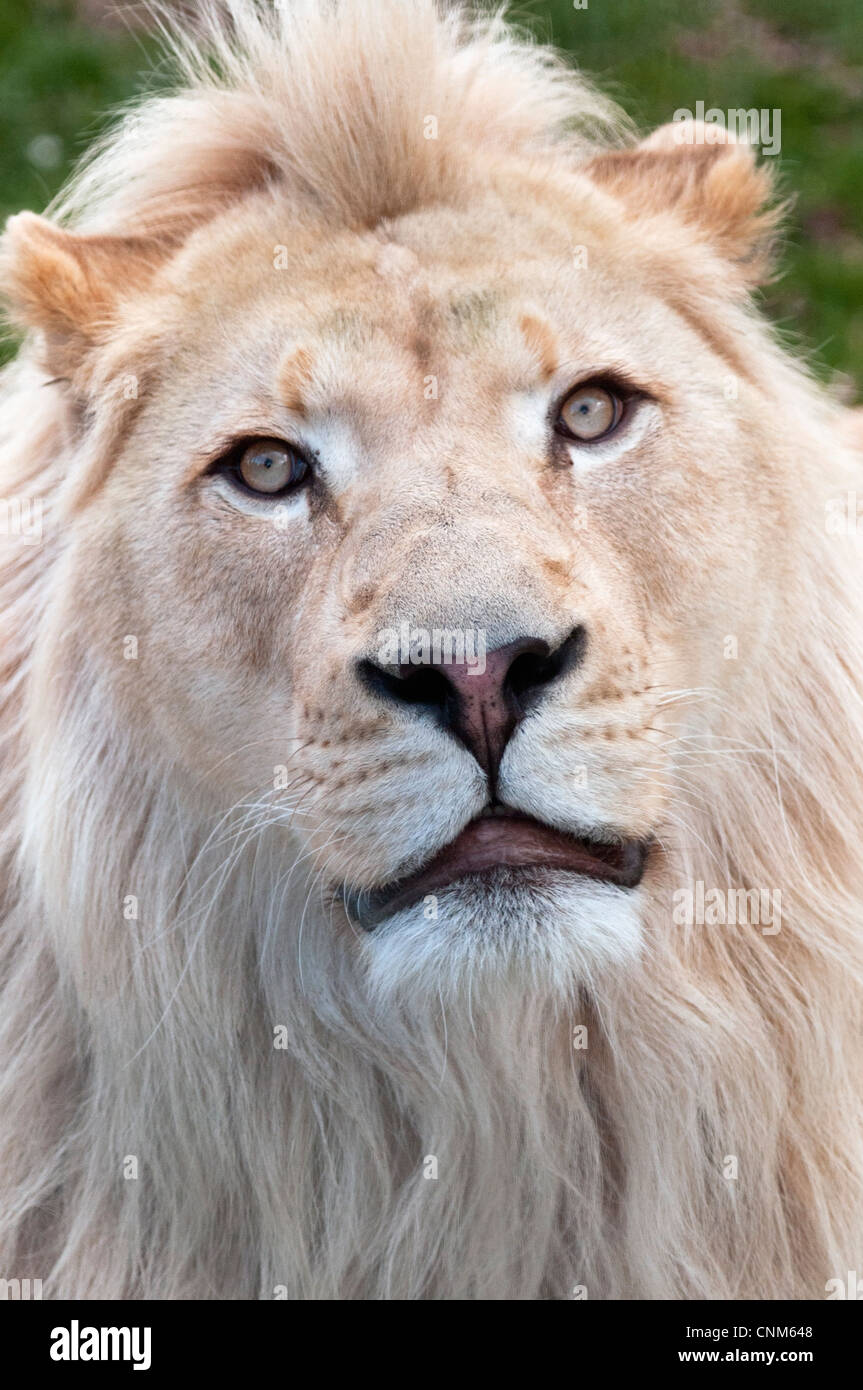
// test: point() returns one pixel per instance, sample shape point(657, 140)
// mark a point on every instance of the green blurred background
point(64, 65)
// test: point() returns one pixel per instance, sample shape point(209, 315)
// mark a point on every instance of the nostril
point(407, 685)
point(527, 671)
point(535, 669)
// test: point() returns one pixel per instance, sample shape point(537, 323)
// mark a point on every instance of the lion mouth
point(500, 838)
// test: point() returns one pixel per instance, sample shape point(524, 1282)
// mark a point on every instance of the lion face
point(425, 536)
point(434, 583)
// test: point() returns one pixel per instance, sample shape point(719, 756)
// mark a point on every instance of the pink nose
point(486, 706)
point(480, 706)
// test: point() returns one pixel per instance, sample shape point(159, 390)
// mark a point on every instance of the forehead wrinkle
point(412, 322)
point(294, 380)
point(542, 343)
point(411, 327)
point(421, 332)
point(314, 377)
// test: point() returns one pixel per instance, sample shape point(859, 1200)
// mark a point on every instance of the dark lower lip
point(514, 842)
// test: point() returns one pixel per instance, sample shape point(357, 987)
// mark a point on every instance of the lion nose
point(480, 703)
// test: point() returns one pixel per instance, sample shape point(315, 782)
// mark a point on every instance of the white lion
point(351, 978)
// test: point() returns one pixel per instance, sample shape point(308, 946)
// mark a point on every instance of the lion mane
point(307, 1169)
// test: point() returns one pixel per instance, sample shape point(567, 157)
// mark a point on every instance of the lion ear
point(706, 177)
point(68, 285)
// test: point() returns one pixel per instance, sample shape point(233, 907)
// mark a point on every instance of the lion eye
point(269, 466)
point(589, 412)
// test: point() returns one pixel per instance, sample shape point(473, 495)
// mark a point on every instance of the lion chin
point(510, 897)
point(430, 696)
point(544, 927)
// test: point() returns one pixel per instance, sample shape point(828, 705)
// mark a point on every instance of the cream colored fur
point(303, 1167)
